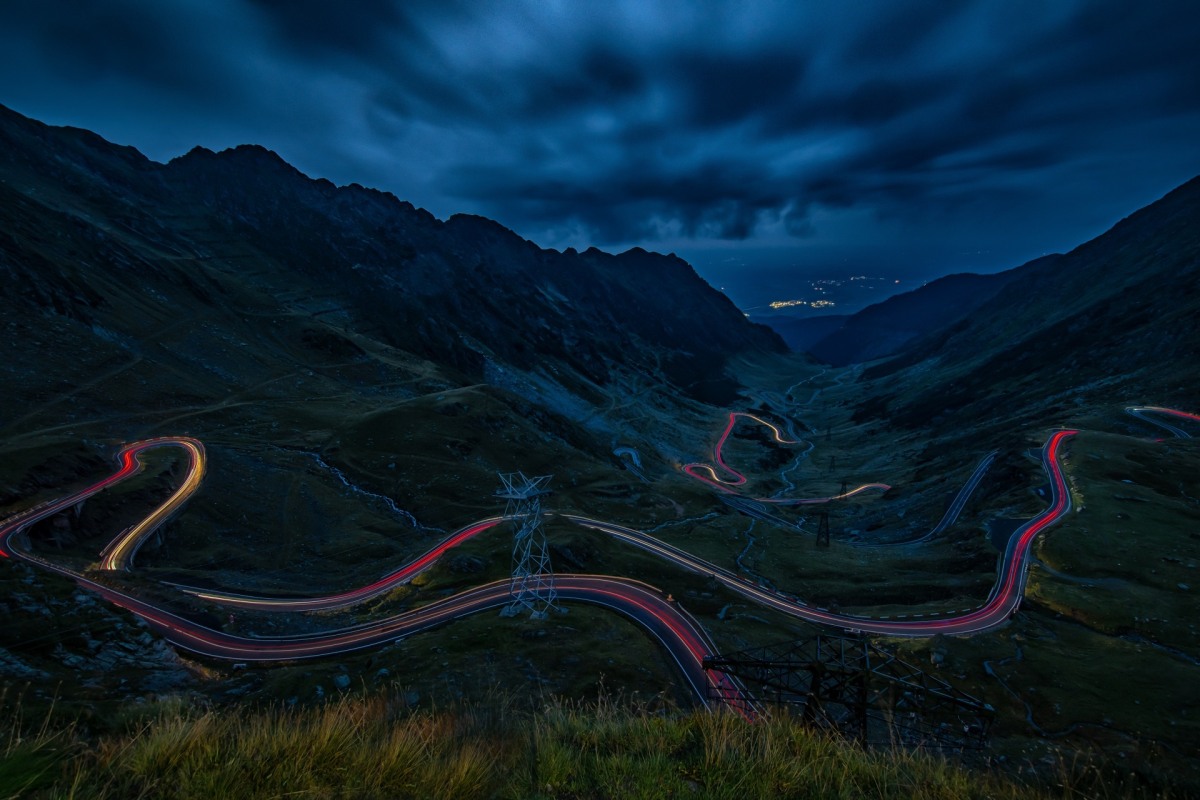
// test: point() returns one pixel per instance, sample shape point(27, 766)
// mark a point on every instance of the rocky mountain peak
point(205, 232)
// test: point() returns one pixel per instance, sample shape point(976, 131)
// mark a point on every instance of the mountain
point(481, 282)
point(1117, 320)
point(464, 293)
point(884, 328)
point(325, 337)
point(801, 333)
point(358, 371)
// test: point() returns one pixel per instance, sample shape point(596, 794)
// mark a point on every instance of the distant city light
point(850, 290)
point(809, 303)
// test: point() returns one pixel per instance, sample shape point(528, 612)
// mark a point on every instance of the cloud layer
point(974, 133)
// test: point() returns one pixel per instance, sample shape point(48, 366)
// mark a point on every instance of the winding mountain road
point(1141, 411)
point(696, 470)
point(954, 509)
point(385, 584)
point(677, 631)
point(1003, 600)
point(683, 638)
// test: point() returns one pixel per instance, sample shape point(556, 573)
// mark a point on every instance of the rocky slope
point(221, 286)
point(801, 333)
point(358, 369)
point(465, 294)
point(884, 328)
point(1117, 320)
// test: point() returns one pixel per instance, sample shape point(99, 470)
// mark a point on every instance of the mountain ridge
point(1112, 320)
point(230, 297)
point(884, 328)
point(395, 255)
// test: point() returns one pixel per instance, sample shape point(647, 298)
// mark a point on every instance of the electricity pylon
point(823, 530)
point(532, 584)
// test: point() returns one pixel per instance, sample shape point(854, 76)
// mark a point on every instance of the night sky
point(761, 141)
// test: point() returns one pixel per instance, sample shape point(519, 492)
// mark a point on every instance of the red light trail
point(682, 636)
point(714, 480)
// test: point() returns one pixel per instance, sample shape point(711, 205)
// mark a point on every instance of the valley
point(856, 567)
point(309, 390)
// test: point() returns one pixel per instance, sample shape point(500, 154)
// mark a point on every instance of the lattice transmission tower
point(823, 530)
point(847, 684)
point(532, 576)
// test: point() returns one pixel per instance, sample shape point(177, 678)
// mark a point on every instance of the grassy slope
point(1030, 671)
point(262, 377)
point(370, 748)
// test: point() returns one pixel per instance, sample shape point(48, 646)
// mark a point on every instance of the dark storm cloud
point(635, 122)
point(921, 112)
point(898, 29)
point(318, 25)
point(118, 40)
point(717, 89)
point(718, 199)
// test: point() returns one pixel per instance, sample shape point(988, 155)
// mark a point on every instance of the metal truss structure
point(532, 575)
point(823, 530)
point(845, 683)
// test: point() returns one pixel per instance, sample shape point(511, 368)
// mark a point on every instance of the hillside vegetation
point(374, 748)
point(358, 372)
point(1116, 320)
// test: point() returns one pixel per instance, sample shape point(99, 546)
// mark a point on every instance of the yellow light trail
point(118, 556)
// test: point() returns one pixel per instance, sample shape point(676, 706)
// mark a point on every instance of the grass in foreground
point(372, 748)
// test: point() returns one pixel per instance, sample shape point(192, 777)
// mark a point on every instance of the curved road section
point(354, 596)
point(1001, 603)
point(714, 480)
point(118, 555)
point(956, 507)
point(677, 631)
point(120, 552)
point(681, 635)
point(1141, 411)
